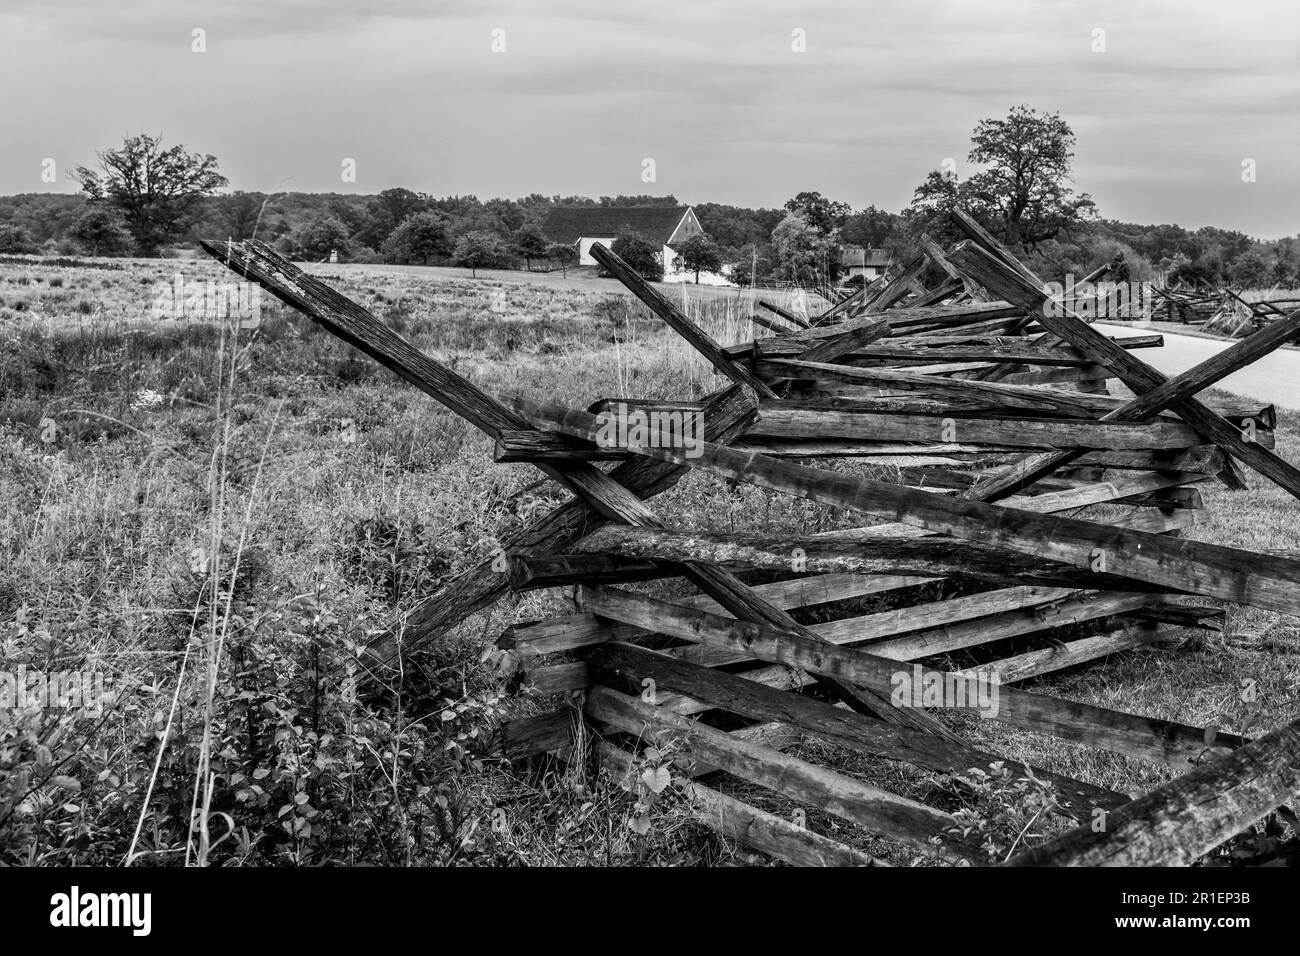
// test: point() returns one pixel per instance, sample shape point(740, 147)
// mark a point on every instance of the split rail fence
point(996, 416)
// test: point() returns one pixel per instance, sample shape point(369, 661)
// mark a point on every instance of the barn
point(869, 263)
point(662, 226)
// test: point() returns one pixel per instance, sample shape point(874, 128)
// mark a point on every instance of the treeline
point(798, 242)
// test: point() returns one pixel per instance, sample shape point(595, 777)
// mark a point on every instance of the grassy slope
point(354, 494)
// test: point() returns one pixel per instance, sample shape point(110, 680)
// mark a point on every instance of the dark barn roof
point(655, 223)
point(857, 257)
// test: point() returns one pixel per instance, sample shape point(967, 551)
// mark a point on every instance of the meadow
point(217, 518)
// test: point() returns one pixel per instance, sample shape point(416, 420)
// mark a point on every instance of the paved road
point(1275, 378)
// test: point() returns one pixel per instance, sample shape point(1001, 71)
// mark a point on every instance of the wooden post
point(1175, 824)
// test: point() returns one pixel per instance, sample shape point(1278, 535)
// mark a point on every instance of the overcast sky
point(711, 90)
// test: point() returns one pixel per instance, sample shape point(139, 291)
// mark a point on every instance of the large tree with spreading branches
point(1021, 189)
point(158, 191)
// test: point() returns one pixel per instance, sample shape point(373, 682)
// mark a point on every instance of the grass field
point(216, 518)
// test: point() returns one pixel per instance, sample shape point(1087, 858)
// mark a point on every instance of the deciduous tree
point(802, 252)
point(639, 253)
point(159, 191)
point(529, 243)
point(100, 232)
point(563, 254)
point(1021, 190)
point(480, 250)
point(421, 236)
point(699, 253)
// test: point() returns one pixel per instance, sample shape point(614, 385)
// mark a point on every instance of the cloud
point(713, 91)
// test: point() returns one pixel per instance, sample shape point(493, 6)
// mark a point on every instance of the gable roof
point(856, 256)
point(655, 223)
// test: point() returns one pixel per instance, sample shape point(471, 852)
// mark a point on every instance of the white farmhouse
point(868, 263)
point(664, 227)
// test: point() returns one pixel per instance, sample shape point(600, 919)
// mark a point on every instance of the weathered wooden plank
point(938, 555)
point(570, 631)
point(540, 446)
point(852, 386)
point(790, 317)
point(943, 640)
point(977, 234)
point(537, 446)
point(934, 252)
point(1175, 824)
point(529, 736)
point(1009, 396)
point(849, 448)
point(357, 326)
point(616, 405)
point(1182, 615)
point(744, 824)
point(982, 610)
point(894, 352)
point(845, 305)
point(911, 823)
point(1044, 660)
point(556, 678)
point(933, 627)
point(949, 316)
point(1088, 377)
point(1009, 670)
point(1205, 459)
point(769, 324)
point(795, 423)
point(528, 572)
point(897, 288)
point(943, 291)
point(829, 349)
